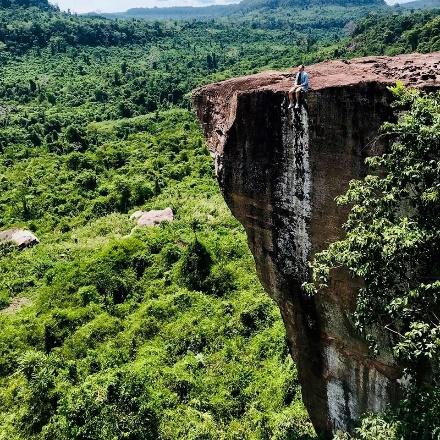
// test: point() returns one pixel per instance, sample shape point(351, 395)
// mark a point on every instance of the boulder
point(136, 215)
point(153, 218)
point(22, 238)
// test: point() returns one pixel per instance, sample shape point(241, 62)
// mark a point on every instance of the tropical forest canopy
point(159, 333)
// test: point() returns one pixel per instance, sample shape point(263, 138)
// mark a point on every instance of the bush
point(195, 266)
point(5, 300)
point(109, 406)
point(220, 281)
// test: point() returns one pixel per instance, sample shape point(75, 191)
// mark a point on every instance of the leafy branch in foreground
point(392, 236)
point(392, 243)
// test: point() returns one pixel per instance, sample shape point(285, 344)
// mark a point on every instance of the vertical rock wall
point(280, 173)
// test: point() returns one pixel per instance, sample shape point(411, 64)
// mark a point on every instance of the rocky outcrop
point(153, 218)
point(18, 237)
point(280, 173)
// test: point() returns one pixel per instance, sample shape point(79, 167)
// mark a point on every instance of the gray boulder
point(153, 218)
point(19, 237)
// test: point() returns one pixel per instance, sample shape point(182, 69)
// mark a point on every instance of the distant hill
point(421, 4)
point(185, 12)
point(43, 4)
point(178, 12)
point(256, 4)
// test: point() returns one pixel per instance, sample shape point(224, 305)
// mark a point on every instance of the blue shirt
point(302, 80)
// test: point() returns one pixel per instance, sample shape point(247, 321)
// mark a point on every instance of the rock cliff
point(280, 174)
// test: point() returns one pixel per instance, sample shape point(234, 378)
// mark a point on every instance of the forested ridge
point(41, 4)
point(243, 7)
point(153, 333)
point(395, 33)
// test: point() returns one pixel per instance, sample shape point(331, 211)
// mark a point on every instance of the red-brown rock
point(280, 174)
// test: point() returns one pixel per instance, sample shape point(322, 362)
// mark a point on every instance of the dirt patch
point(16, 305)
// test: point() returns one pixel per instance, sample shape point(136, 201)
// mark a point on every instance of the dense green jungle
point(108, 331)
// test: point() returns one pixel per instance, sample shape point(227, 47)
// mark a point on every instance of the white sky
point(81, 6)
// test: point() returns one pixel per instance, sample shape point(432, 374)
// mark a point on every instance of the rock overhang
point(280, 174)
point(412, 69)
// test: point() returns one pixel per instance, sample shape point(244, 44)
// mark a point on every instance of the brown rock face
point(280, 174)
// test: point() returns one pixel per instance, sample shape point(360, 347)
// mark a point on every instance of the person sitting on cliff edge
point(301, 85)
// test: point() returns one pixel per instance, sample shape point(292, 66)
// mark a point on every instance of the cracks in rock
point(293, 194)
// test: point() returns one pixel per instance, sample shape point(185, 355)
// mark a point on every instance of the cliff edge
point(279, 174)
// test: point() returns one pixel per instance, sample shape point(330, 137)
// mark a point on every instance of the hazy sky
point(122, 5)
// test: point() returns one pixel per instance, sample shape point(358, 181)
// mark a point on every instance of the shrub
point(5, 300)
point(195, 266)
